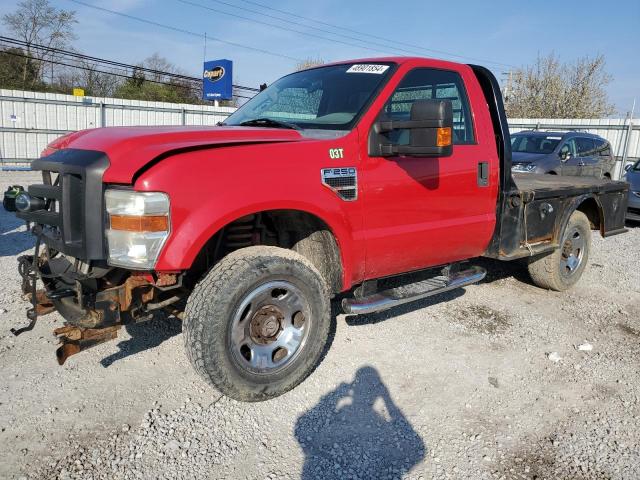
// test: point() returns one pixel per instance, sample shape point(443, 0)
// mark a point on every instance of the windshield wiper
point(269, 122)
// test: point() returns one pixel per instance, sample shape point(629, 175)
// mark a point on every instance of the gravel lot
point(458, 386)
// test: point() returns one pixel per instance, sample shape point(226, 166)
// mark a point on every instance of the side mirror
point(564, 156)
point(628, 167)
point(430, 132)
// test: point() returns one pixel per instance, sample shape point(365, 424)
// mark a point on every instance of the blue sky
point(507, 32)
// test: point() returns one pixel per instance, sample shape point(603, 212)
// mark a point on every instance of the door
point(589, 161)
point(569, 161)
point(426, 211)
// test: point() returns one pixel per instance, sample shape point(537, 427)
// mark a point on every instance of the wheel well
point(296, 230)
point(552, 173)
point(590, 208)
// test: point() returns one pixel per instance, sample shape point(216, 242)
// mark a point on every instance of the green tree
point(157, 87)
point(15, 69)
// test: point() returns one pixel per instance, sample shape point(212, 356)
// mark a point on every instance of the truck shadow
point(144, 336)
point(357, 431)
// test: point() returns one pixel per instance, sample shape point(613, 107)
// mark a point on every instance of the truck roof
point(397, 60)
point(544, 133)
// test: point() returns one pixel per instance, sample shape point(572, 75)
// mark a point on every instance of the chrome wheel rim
point(572, 252)
point(270, 327)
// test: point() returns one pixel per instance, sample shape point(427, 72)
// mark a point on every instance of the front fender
point(204, 199)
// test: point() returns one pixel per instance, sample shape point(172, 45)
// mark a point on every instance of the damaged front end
point(95, 301)
point(85, 278)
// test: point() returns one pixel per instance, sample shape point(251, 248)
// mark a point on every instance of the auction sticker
point(368, 68)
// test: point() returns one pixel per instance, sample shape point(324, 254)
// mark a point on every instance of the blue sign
point(217, 80)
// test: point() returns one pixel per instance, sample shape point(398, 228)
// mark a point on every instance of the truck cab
point(328, 183)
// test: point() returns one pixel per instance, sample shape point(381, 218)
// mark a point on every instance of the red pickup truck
point(326, 182)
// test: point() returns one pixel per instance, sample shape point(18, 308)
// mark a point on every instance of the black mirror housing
point(430, 131)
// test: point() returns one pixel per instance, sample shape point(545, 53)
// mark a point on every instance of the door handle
point(581, 163)
point(483, 174)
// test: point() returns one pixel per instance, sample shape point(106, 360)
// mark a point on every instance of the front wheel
point(562, 268)
point(257, 324)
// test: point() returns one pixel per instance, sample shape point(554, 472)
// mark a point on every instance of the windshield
point(330, 98)
point(534, 143)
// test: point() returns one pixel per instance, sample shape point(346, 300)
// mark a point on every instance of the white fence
point(30, 120)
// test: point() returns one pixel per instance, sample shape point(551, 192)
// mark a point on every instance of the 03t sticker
point(335, 153)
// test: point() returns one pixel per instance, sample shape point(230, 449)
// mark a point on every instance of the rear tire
point(256, 325)
point(562, 268)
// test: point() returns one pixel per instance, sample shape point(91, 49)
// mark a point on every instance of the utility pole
point(507, 82)
point(627, 139)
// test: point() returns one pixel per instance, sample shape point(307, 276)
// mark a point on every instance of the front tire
point(256, 325)
point(562, 268)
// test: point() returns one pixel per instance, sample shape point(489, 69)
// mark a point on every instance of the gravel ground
point(463, 385)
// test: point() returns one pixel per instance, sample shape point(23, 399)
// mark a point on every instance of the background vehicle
point(325, 182)
point(632, 176)
point(562, 153)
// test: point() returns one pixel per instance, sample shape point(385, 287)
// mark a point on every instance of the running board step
point(412, 292)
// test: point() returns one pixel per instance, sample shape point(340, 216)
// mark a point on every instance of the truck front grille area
point(72, 220)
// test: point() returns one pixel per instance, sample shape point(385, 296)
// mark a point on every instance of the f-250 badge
point(342, 180)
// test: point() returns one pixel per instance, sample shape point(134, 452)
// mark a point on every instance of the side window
point(568, 147)
point(428, 83)
point(603, 148)
point(585, 146)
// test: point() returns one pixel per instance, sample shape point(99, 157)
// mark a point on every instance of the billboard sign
point(217, 80)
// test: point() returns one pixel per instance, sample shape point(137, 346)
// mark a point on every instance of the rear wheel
point(257, 324)
point(562, 268)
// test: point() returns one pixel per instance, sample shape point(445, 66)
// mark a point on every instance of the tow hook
point(75, 339)
point(41, 304)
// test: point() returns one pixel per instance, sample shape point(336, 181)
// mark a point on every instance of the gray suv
point(632, 176)
point(562, 153)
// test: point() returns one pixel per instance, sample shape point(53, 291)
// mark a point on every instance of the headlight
point(138, 225)
point(523, 167)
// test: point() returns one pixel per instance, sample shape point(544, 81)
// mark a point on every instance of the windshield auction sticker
point(368, 68)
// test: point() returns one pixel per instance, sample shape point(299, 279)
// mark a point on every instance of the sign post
point(217, 80)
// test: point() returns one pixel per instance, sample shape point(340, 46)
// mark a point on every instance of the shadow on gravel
point(496, 270)
point(377, 317)
point(144, 336)
point(12, 243)
point(632, 224)
point(357, 431)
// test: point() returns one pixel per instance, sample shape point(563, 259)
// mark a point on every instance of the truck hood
point(131, 148)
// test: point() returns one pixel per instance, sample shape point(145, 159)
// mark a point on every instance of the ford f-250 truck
point(324, 183)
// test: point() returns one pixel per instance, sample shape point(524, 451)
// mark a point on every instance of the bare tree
point(36, 22)
point(551, 89)
point(89, 77)
point(309, 63)
point(161, 64)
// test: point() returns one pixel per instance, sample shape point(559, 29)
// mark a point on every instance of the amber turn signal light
point(145, 223)
point(444, 137)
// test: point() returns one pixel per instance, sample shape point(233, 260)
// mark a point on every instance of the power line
point(111, 62)
point(90, 69)
point(257, 12)
point(280, 27)
point(309, 19)
point(184, 31)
